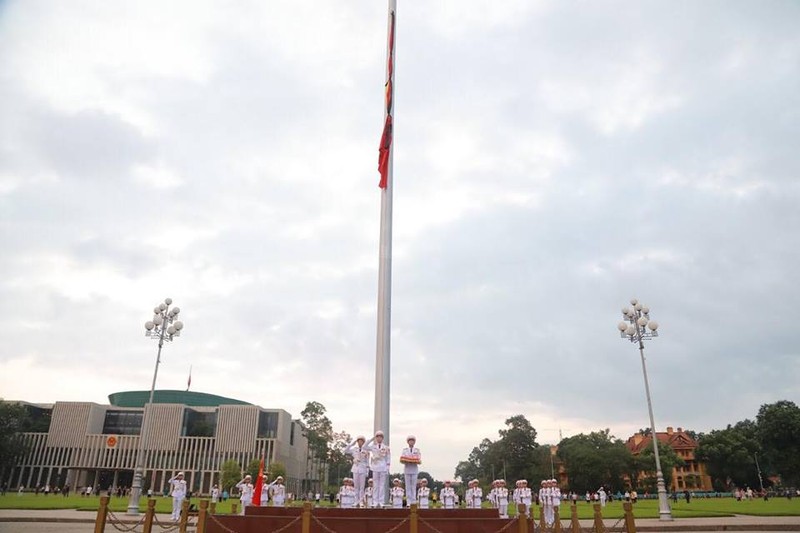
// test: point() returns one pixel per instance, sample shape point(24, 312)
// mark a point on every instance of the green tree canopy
point(13, 421)
point(276, 469)
point(230, 474)
point(646, 461)
point(779, 433)
point(319, 429)
point(596, 459)
point(729, 455)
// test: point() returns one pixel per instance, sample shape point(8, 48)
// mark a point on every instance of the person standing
point(178, 490)
point(368, 501)
point(347, 494)
point(397, 493)
point(501, 497)
point(468, 499)
point(477, 494)
point(601, 492)
point(360, 469)
point(215, 494)
point(524, 496)
point(245, 487)
point(380, 458)
point(448, 496)
point(423, 494)
point(411, 458)
point(278, 491)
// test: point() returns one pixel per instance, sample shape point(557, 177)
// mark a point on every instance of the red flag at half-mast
point(385, 147)
point(259, 484)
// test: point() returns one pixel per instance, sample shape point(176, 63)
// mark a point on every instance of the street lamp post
point(637, 327)
point(165, 327)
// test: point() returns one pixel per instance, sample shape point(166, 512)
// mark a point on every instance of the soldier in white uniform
point(523, 495)
point(477, 494)
point(215, 494)
point(360, 453)
point(178, 490)
point(264, 501)
point(448, 496)
point(379, 461)
point(278, 491)
point(368, 494)
point(347, 494)
point(397, 493)
point(501, 496)
point(423, 494)
point(556, 495)
point(546, 501)
point(603, 496)
point(245, 491)
point(468, 494)
point(411, 457)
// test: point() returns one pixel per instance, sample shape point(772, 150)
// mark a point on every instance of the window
point(291, 435)
point(267, 425)
point(38, 419)
point(123, 423)
point(198, 424)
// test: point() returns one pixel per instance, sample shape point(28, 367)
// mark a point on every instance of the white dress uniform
point(368, 495)
point(347, 497)
point(477, 497)
point(525, 498)
point(215, 494)
point(501, 497)
point(603, 496)
point(278, 491)
point(379, 461)
point(411, 471)
point(264, 501)
point(397, 494)
point(360, 467)
point(178, 491)
point(448, 497)
point(423, 497)
point(245, 493)
point(546, 501)
point(556, 497)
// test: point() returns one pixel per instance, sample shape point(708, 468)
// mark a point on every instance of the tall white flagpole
point(383, 348)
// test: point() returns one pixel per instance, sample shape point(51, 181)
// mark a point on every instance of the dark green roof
point(138, 398)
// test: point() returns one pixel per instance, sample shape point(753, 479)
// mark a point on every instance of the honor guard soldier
point(347, 494)
point(411, 458)
point(423, 494)
point(546, 501)
point(501, 497)
point(215, 494)
point(360, 469)
point(245, 491)
point(380, 459)
point(477, 494)
point(368, 494)
point(178, 490)
point(556, 495)
point(397, 494)
point(448, 496)
point(278, 490)
point(522, 495)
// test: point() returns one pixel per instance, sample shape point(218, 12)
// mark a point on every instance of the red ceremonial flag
point(259, 484)
point(385, 147)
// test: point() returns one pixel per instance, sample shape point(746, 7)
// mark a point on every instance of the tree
point(276, 469)
point(515, 455)
point(339, 463)
point(596, 459)
point(230, 474)
point(252, 469)
point(318, 430)
point(13, 420)
point(729, 455)
point(779, 434)
point(646, 461)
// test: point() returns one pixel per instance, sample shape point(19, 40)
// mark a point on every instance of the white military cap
point(360, 437)
point(379, 432)
point(411, 437)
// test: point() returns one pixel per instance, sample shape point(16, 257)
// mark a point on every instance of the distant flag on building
point(385, 148)
point(189, 381)
point(259, 484)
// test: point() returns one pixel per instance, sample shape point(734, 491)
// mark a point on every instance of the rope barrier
point(395, 528)
point(323, 526)
point(223, 526)
point(290, 524)
point(114, 520)
point(167, 528)
point(505, 527)
point(429, 525)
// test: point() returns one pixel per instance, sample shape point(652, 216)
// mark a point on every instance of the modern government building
point(83, 444)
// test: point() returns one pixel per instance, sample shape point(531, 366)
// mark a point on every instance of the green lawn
point(644, 509)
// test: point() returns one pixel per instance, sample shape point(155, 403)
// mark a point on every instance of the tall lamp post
point(637, 327)
point(165, 327)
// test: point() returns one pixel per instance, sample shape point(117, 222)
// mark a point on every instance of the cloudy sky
point(553, 160)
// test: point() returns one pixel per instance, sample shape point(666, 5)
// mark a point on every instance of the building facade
point(83, 443)
point(691, 476)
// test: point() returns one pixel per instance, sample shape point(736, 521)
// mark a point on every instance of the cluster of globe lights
point(638, 315)
point(164, 317)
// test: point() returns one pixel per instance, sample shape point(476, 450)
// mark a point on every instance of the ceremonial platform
point(329, 519)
